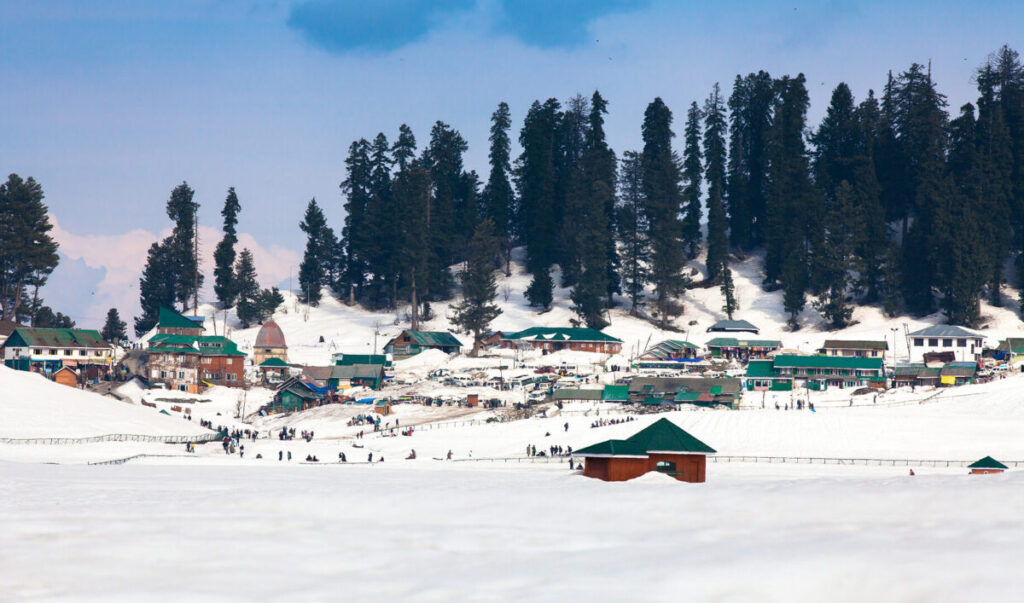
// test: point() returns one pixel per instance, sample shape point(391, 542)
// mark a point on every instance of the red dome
point(270, 336)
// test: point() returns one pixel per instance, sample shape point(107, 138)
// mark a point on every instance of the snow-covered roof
point(944, 331)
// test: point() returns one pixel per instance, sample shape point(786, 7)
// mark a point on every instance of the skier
point(567, 426)
point(289, 455)
point(369, 458)
point(280, 455)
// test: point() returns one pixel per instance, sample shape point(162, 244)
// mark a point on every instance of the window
point(933, 342)
point(666, 467)
point(947, 343)
point(181, 374)
point(81, 352)
point(37, 352)
point(156, 374)
point(163, 374)
point(918, 341)
point(53, 352)
point(961, 343)
point(67, 352)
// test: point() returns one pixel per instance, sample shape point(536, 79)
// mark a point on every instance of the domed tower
point(270, 343)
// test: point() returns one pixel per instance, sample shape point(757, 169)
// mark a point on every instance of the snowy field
point(358, 533)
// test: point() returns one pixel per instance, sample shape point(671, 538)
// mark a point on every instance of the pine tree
point(381, 256)
point(412, 195)
point(182, 244)
point(248, 289)
point(995, 184)
point(728, 293)
point(790, 197)
point(874, 231)
point(115, 330)
point(569, 188)
point(356, 233)
point(692, 177)
point(834, 261)
point(499, 199)
point(632, 230)
point(660, 183)
point(535, 179)
point(27, 251)
point(714, 162)
point(750, 117)
point(224, 254)
point(473, 315)
point(600, 167)
point(920, 126)
point(319, 242)
point(450, 215)
point(156, 286)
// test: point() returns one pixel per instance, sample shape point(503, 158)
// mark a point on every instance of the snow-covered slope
point(32, 406)
point(353, 329)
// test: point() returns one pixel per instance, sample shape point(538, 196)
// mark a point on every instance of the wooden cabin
point(66, 376)
point(382, 407)
point(409, 343)
point(661, 446)
point(553, 339)
point(986, 465)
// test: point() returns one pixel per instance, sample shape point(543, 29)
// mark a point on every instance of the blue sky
point(110, 104)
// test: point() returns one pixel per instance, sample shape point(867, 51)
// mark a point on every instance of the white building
point(964, 344)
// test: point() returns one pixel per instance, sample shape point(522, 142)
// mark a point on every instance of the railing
point(825, 460)
point(115, 437)
point(138, 456)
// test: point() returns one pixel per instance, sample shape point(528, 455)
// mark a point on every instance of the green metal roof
point(732, 342)
point(652, 401)
point(615, 393)
point(347, 359)
point(434, 338)
point(665, 436)
point(759, 369)
point(55, 338)
point(987, 463)
point(687, 396)
point(844, 362)
point(854, 344)
point(612, 448)
point(668, 349)
point(274, 362)
point(562, 334)
point(208, 345)
point(170, 319)
point(578, 394)
point(733, 325)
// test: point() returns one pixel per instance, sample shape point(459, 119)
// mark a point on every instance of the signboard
point(948, 380)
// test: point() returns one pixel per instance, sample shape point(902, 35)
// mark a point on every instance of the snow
point(495, 524)
point(391, 532)
point(35, 407)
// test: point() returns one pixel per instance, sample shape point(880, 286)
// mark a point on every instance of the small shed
point(382, 407)
point(985, 466)
point(662, 446)
point(66, 376)
point(733, 326)
point(473, 400)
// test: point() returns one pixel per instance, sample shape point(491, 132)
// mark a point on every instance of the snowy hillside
point(32, 406)
point(351, 329)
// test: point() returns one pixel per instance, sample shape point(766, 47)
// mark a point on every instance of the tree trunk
point(415, 313)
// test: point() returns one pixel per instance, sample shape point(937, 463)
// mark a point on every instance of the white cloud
point(122, 257)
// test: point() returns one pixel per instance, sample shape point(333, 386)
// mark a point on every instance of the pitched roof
point(987, 463)
point(673, 385)
point(579, 394)
point(1014, 345)
point(168, 318)
point(610, 448)
point(732, 342)
point(759, 369)
point(959, 369)
point(274, 362)
point(665, 436)
point(207, 345)
point(944, 331)
point(854, 344)
point(346, 359)
point(667, 349)
point(846, 362)
point(55, 338)
point(433, 338)
point(7, 327)
point(733, 325)
point(615, 393)
point(562, 334)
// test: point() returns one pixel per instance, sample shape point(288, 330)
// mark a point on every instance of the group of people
point(603, 422)
point(287, 433)
point(363, 420)
point(554, 450)
point(232, 445)
point(799, 405)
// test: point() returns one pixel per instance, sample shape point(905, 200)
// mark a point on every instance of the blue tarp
point(365, 401)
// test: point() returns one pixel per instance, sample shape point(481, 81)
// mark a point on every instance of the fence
point(114, 437)
point(138, 456)
point(824, 460)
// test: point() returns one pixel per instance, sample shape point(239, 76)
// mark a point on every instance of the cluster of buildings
point(71, 357)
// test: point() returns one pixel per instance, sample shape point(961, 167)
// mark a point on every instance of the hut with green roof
point(986, 465)
point(662, 446)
